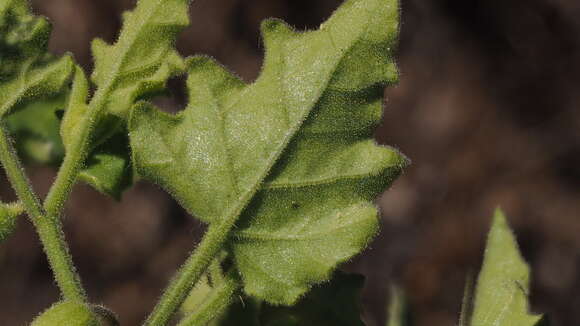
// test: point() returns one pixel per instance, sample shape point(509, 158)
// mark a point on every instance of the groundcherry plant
point(284, 170)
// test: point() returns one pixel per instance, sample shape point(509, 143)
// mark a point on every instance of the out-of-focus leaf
point(501, 296)
point(66, 313)
point(290, 154)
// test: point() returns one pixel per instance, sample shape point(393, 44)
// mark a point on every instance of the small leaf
point(501, 296)
point(143, 58)
point(137, 66)
point(291, 154)
point(66, 313)
point(336, 303)
point(36, 79)
point(108, 169)
point(8, 215)
point(35, 128)
point(27, 71)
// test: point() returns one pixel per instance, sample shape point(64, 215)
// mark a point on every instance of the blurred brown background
point(487, 109)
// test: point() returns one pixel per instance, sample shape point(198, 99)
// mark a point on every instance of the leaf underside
point(290, 154)
point(501, 296)
point(27, 71)
point(136, 67)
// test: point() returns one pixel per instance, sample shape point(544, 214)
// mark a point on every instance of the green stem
point(49, 228)
point(75, 157)
point(16, 208)
point(215, 304)
point(191, 271)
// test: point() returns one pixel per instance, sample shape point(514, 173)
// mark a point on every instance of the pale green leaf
point(501, 296)
point(143, 58)
point(291, 154)
point(66, 313)
point(135, 67)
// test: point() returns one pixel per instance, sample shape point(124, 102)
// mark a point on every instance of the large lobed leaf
point(291, 154)
point(501, 296)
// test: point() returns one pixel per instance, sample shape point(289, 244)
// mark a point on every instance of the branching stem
point(188, 275)
point(49, 227)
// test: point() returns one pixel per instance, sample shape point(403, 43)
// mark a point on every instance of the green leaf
point(108, 166)
point(108, 169)
point(501, 296)
point(291, 154)
point(8, 215)
point(35, 128)
point(331, 304)
point(27, 71)
point(137, 66)
point(143, 58)
point(66, 313)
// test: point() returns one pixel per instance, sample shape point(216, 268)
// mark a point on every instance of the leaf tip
point(273, 28)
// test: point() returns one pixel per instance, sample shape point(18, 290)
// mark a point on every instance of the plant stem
point(191, 271)
point(49, 228)
point(215, 304)
point(75, 158)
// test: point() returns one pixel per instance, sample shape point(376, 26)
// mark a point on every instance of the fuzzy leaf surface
point(290, 154)
point(501, 296)
point(66, 313)
point(27, 71)
point(143, 58)
point(136, 66)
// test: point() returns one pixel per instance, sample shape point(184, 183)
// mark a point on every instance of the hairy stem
point(75, 157)
point(215, 304)
point(191, 271)
point(49, 227)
